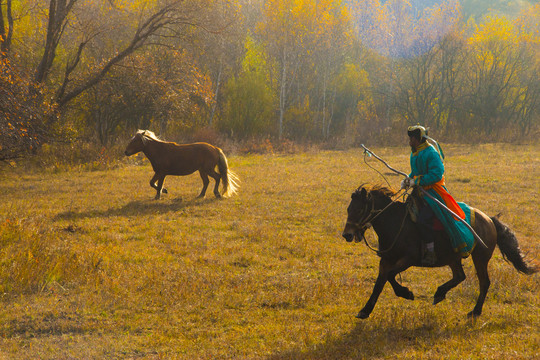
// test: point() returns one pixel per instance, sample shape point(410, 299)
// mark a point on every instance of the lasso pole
point(476, 236)
point(381, 160)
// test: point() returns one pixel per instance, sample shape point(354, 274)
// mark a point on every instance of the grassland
point(91, 267)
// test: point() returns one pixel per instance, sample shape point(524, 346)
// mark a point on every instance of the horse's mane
point(378, 189)
point(148, 135)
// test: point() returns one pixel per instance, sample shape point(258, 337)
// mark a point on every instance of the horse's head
point(136, 144)
point(357, 215)
point(364, 206)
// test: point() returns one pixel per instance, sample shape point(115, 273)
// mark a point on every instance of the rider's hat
point(423, 132)
point(418, 129)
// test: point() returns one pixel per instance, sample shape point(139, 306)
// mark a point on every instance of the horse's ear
point(359, 193)
point(369, 197)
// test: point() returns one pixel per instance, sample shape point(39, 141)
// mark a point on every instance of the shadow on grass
point(137, 208)
point(366, 341)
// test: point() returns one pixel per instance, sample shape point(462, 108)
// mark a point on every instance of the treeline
point(94, 71)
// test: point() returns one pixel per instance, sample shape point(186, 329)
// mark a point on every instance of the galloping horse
point(400, 247)
point(169, 158)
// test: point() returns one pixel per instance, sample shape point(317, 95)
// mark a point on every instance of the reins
point(369, 221)
point(424, 192)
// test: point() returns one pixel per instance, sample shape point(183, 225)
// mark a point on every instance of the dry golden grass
point(91, 267)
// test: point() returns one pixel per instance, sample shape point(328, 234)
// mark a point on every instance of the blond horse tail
point(229, 178)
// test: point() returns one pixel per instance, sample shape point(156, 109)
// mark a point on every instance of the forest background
point(83, 75)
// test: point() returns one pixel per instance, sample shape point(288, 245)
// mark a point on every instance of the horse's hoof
point(473, 315)
point(362, 315)
point(406, 294)
point(438, 299)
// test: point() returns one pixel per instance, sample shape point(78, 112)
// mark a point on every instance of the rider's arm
point(435, 170)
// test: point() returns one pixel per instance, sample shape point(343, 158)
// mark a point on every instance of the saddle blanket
point(462, 239)
point(467, 242)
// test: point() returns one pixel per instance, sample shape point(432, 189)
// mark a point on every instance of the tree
point(496, 63)
point(158, 25)
point(250, 105)
point(308, 42)
point(452, 67)
point(330, 45)
point(354, 113)
point(6, 33)
point(156, 89)
point(21, 116)
point(417, 89)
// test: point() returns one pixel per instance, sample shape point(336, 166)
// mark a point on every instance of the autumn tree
point(452, 67)
point(370, 23)
point(250, 106)
point(156, 27)
point(497, 60)
point(354, 113)
point(21, 117)
point(282, 34)
point(83, 43)
point(528, 106)
point(159, 89)
point(330, 45)
point(309, 42)
point(6, 27)
point(417, 89)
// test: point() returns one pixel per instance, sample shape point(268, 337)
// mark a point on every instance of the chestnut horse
point(169, 158)
point(400, 247)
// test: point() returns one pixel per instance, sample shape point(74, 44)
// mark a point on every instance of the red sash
point(448, 200)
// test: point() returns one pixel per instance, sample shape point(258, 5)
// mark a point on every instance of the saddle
point(414, 202)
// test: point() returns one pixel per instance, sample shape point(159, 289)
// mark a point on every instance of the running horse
point(400, 248)
point(169, 158)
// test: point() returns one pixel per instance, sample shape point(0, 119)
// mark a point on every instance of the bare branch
point(150, 28)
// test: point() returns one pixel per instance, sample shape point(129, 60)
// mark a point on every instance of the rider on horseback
point(427, 171)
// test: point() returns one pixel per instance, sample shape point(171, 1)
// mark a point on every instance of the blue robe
point(427, 169)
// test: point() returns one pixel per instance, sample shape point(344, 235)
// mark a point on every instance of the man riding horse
point(427, 171)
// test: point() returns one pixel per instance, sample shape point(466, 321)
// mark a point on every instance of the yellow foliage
point(494, 29)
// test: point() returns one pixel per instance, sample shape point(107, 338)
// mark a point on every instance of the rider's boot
point(428, 250)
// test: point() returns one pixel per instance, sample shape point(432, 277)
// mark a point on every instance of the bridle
point(366, 222)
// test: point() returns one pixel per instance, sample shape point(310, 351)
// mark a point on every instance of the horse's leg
point(400, 290)
point(458, 275)
point(377, 289)
point(480, 264)
point(159, 186)
point(153, 181)
point(205, 181)
point(217, 179)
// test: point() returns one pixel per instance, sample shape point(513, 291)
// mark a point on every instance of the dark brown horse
point(168, 158)
point(400, 248)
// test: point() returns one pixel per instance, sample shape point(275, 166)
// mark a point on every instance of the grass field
point(91, 267)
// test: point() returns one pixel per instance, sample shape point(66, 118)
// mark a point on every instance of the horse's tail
point(230, 179)
point(508, 244)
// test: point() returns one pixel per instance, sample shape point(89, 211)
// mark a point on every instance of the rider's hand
point(407, 183)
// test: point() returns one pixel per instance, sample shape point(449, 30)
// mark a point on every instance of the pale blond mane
point(148, 135)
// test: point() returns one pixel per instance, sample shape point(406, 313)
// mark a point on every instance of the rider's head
point(417, 135)
point(418, 132)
